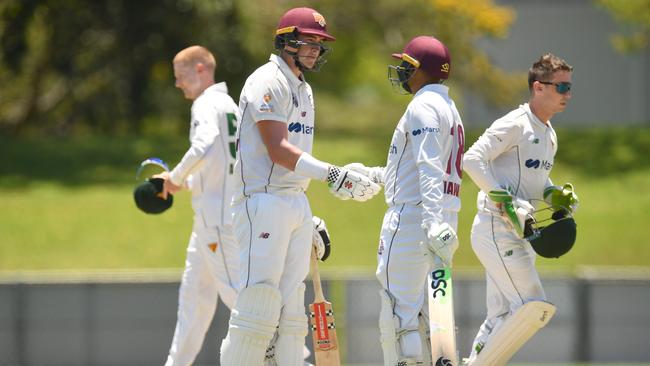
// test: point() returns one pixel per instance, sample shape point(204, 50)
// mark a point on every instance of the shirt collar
point(285, 69)
point(436, 88)
point(533, 117)
point(219, 87)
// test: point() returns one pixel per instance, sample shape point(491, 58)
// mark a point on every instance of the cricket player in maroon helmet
point(421, 180)
point(273, 219)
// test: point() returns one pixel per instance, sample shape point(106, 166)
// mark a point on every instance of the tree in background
point(635, 14)
point(73, 66)
point(369, 31)
point(99, 66)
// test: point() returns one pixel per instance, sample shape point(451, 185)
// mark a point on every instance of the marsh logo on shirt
point(297, 127)
point(537, 164)
point(427, 129)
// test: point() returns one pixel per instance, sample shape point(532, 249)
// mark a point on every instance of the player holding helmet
point(273, 220)
point(511, 163)
point(212, 262)
point(422, 181)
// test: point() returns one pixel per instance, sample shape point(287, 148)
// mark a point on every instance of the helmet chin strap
point(296, 60)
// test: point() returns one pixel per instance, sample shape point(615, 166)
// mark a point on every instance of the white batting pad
point(388, 325)
point(252, 324)
point(292, 330)
point(514, 332)
point(425, 334)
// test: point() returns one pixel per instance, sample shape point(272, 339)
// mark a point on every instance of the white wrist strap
point(310, 167)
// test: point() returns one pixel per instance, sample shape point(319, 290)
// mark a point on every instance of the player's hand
point(346, 184)
point(562, 198)
point(168, 187)
point(441, 241)
point(516, 210)
point(375, 173)
point(321, 239)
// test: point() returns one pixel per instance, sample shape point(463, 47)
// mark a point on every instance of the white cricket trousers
point(402, 268)
point(510, 272)
point(209, 274)
point(274, 232)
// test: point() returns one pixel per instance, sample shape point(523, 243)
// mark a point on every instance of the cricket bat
point(441, 316)
point(321, 317)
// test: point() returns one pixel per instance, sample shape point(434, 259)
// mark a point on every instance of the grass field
point(67, 204)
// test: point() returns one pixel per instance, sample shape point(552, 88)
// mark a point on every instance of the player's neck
point(540, 112)
point(291, 62)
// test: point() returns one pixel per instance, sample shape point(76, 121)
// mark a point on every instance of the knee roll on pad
point(252, 324)
point(398, 344)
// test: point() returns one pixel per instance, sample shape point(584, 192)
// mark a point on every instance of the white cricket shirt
point(207, 166)
point(516, 152)
point(425, 157)
point(272, 92)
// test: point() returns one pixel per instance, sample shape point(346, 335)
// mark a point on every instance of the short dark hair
point(543, 69)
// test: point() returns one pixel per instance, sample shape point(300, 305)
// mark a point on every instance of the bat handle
point(315, 278)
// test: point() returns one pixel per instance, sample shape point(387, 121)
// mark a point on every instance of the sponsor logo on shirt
point(426, 129)
point(380, 251)
point(297, 127)
point(264, 235)
point(538, 164)
point(266, 105)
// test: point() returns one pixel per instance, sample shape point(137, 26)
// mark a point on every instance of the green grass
point(67, 204)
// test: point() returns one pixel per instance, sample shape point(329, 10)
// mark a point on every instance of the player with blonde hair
point(212, 262)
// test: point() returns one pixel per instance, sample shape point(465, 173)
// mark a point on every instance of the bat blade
point(321, 317)
point(326, 350)
point(441, 317)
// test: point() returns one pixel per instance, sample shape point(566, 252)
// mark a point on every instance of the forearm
point(191, 161)
point(284, 154)
point(478, 169)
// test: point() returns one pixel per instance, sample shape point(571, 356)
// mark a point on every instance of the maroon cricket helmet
point(304, 21)
point(428, 54)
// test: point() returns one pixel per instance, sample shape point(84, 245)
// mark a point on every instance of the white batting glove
point(375, 173)
point(346, 184)
point(441, 241)
point(321, 239)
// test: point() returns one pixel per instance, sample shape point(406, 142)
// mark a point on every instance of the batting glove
point(376, 173)
point(442, 242)
point(346, 184)
point(321, 239)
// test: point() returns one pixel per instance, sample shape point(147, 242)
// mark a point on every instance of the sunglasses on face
point(562, 87)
